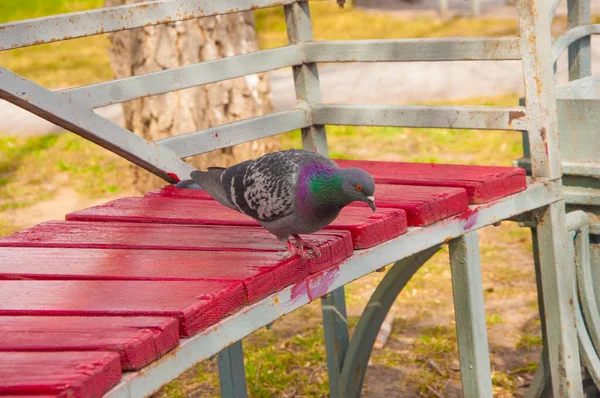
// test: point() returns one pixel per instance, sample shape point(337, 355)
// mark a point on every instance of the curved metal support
point(361, 345)
point(588, 355)
point(571, 36)
point(587, 295)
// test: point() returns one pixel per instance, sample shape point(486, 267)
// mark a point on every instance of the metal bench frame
point(73, 109)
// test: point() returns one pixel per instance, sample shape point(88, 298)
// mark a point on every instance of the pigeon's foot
point(303, 253)
point(301, 244)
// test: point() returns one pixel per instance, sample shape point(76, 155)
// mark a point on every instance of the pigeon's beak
point(371, 202)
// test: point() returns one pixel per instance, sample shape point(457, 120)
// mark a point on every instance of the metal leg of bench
point(232, 374)
point(335, 326)
point(558, 293)
point(359, 351)
point(541, 386)
point(467, 288)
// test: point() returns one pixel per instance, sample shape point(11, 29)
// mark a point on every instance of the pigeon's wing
point(265, 188)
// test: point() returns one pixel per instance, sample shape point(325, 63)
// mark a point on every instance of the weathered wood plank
point(367, 229)
point(483, 183)
point(67, 374)
point(423, 205)
point(197, 304)
point(138, 341)
point(262, 273)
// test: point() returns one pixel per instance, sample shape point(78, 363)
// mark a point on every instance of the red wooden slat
point(64, 374)
point(423, 205)
point(262, 273)
point(138, 341)
point(335, 245)
point(197, 304)
point(367, 229)
point(483, 183)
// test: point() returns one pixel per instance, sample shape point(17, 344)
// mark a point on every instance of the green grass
point(14, 10)
point(68, 63)
point(332, 23)
point(528, 341)
point(35, 168)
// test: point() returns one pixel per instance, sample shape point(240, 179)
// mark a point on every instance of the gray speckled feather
point(265, 188)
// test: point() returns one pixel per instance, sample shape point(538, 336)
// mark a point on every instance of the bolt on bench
point(119, 299)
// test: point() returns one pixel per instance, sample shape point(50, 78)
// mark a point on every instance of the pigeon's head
point(358, 185)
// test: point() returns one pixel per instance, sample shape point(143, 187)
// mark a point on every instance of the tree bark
point(166, 46)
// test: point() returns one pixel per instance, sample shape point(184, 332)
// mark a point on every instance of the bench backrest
point(73, 109)
point(578, 107)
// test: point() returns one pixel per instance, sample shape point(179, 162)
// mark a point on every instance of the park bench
point(121, 298)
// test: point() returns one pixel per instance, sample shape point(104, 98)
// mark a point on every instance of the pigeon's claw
point(301, 244)
point(293, 250)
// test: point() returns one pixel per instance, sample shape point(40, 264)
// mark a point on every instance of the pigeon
point(289, 193)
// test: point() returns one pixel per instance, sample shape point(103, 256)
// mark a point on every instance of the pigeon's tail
point(211, 182)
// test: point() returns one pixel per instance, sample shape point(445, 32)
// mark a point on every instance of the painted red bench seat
point(261, 273)
point(197, 304)
point(483, 183)
point(367, 229)
point(137, 340)
point(59, 374)
point(335, 245)
point(123, 280)
point(422, 205)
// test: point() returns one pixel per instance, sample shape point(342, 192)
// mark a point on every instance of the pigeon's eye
point(359, 187)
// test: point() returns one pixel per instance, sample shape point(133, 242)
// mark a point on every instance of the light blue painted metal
point(540, 385)
point(538, 74)
point(306, 76)
point(579, 122)
point(406, 50)
point(587, 88)
point(578, 225)
point(580, 63)
point(379, 305)
point(557, 279)
point(559, 295)
point(571, 36)
point(459, 117)
point(467, 288)
point(83, 121)
point(579, 222)
point(337, 338)
point(111, 19)
point(226, 135)
point(232, 374)
point(127, 89)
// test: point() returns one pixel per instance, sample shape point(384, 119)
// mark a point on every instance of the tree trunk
point(166, 46)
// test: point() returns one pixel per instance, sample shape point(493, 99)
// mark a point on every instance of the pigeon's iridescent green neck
point(323, 186)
